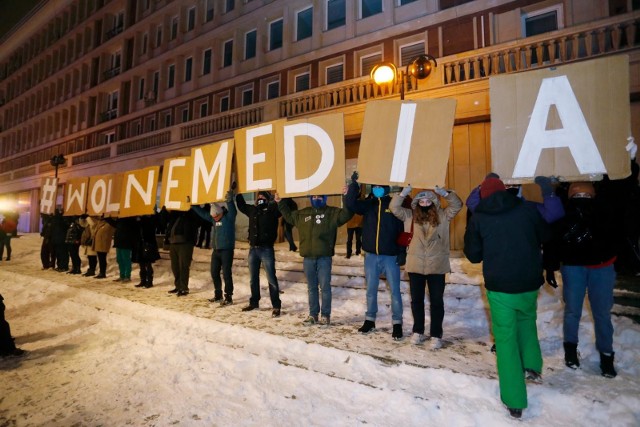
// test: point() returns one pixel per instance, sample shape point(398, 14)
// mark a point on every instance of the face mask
point(378, 192)
point(318, 203)
point(425, 209)
point(260, 202)
point(513, 190)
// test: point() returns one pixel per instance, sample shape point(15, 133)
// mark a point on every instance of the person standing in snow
point(86, 240)
point(506, 235)
point(102, 243)
point(9, 229)
point(380, 229)
point(7, 345)
point(182, 233)
point(145, 249)
point(263, 231)
point(427, 255)
point(318, 228)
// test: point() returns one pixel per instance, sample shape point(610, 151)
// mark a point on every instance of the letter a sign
point(570, 121)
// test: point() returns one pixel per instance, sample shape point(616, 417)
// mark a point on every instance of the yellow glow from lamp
point(384, 73)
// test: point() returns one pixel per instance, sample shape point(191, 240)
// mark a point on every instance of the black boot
point(367, 326)
point(149, 282)
point(606, 365)
point(571, 355)
point(90, 273)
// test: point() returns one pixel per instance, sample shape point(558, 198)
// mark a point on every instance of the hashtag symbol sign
point(48, 200)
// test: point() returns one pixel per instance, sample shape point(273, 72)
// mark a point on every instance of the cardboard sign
point(48, 194)
point(177, 179)
point(75, 196)
point(406, 142)
point(104, 195)
point(256, 157)
point(310, 156)
point(570, 121)
point(138, 195)
point(211, 172)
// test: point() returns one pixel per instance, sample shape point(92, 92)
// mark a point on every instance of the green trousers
point(513, 320)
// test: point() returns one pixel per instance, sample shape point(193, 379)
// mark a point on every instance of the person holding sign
point(428, 255)
point(380, 229)
point(263, 230)
point(318, 228)
point(182, 233)
point(506, 235)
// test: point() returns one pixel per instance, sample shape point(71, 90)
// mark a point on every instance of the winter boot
point(148, 283)
point(397, 332)
point(90, 273)
point(368, 326)
point(571, 355)
point(606, 365)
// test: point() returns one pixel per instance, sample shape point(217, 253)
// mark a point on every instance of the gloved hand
point(551, 278)
point(229, 195)
point(234, 185)
point(354, 176)
point(406, 191)
point(441, 191)
point(545, 185)
point(631, 147)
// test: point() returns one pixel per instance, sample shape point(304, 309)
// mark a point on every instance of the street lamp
point(56, 161)
point(419, 67)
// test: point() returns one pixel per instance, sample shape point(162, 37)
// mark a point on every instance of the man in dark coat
point(145, 250)
point(263, 231)
point(7, 345)
point(182, 232)
point(506, 234)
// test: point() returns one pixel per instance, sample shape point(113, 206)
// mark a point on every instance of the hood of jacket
point(498, 202)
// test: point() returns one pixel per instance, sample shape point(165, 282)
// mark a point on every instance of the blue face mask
point(318, 202)
point(378, 191)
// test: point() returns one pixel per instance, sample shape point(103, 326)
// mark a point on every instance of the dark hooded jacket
point(380, 227)
point(263, 221)
point(506, 234)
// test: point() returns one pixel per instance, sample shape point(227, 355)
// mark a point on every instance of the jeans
point(123, 256)
point(222, 260)
point(181, 255)
point(598, 283)
point(263, 255)
point(513, 321)
point(374, 265)
point(436, 285)
point(318, 272)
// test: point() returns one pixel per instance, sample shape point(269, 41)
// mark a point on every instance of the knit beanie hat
point(581, 187)
point(427, 194)
point(216, 209)
point(265, 194)
point(490, 186)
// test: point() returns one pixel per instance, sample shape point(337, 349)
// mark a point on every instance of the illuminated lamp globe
point(383, 73)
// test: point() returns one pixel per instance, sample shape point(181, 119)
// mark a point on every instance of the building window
point(370, 7)
point(206, 62)
point(302, 82)
point(224, 104)
point(156, 82)
point(159, 36)
point(542, 21)
point(275, 34)
point(273, 90)
point(403, 2)
point(191, 19)
point(184, 115)
point(229, 5)
point(247, 97)
point(174, 28)
point(188, 65)
point(335, 73)
point(368, 62)
point(407, 53)
point(171, 76)
point(112, 101)
point(304, 23)
point(141, 89)
point(446, 4)
point(209, 12)
point(336, 14)
point(109, 137)
point(250, 40)
point(204, 109)
point(227, 53)
point(151, 124)
point(167, 120)
point(145, 42)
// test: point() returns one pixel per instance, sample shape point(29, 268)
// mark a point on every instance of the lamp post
point(56, 161)
point(419, 67)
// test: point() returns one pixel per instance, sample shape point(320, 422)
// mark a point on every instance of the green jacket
point(317, 228)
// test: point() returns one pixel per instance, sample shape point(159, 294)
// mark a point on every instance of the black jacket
point(506, 234)
point(380, 227)
point(126, 233)
point(183, 227)
point(263, 222)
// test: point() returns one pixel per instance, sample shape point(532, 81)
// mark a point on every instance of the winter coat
point(183, 227)
point(380, 227)
point(88, 235)
point(9, 226)
point(585, 236)
point(59, 226)
point(103, 236)
point(224, 231)
point(74, 233)
point(46, 227)
point(126, 233)
point(145, 248)
point(263, 222)
point(429, 249)
point(551, 207)
point(506, 234)
point(317, 228)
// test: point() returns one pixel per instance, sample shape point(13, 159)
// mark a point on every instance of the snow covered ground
point(105, 353)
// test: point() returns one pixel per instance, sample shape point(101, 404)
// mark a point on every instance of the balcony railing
point(145, 143)
point(114, 32)
point(111, 72)
point(105, 116)
point(222, 123)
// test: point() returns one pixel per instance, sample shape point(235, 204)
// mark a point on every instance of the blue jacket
point(380, 227)
point(223, 231)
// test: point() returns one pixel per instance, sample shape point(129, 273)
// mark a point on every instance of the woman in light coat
point(428, 255)
point(102, 243)
point(88, 235)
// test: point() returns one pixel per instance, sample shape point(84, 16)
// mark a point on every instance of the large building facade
point(124, 84)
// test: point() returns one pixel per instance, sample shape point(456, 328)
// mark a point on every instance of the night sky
point(11, 11)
